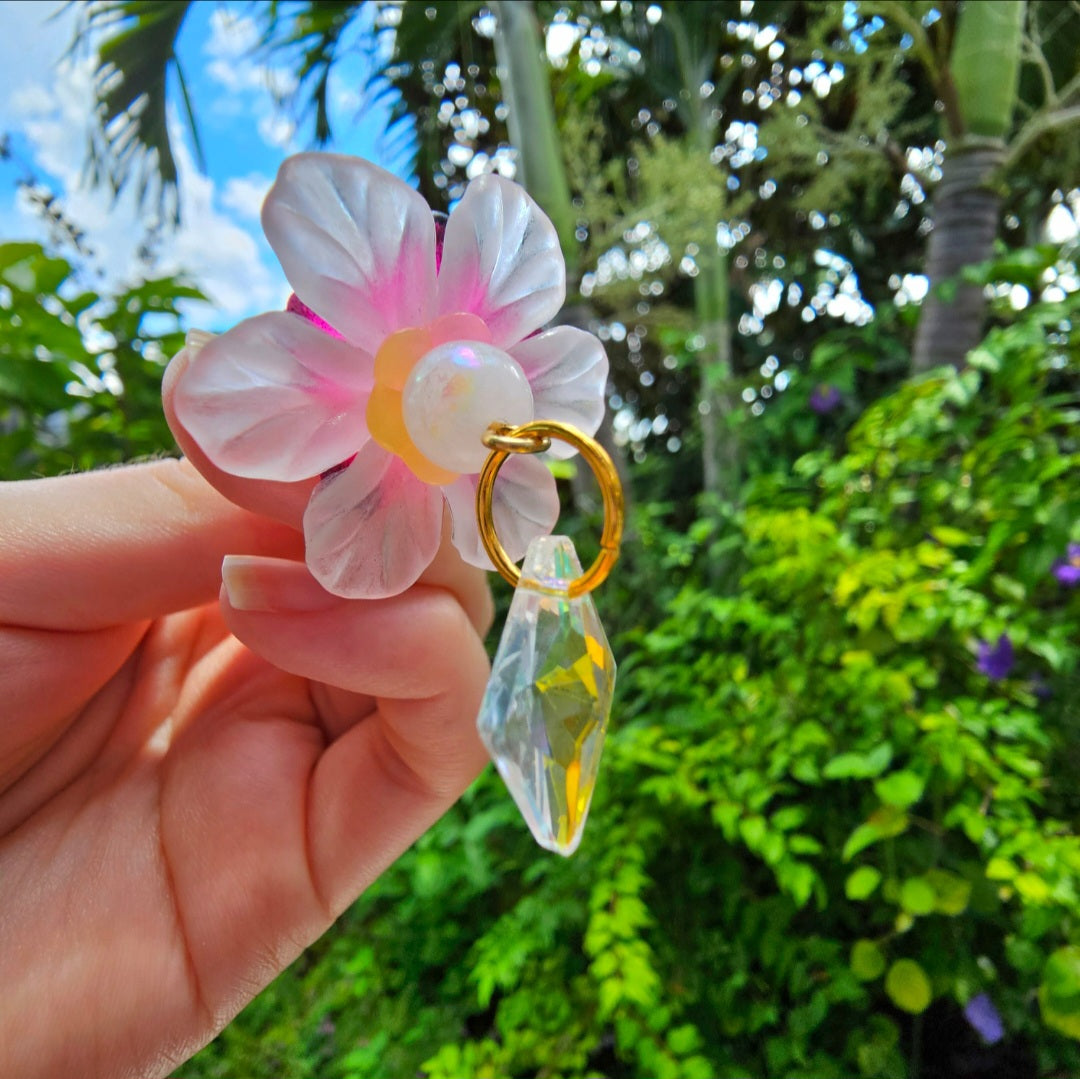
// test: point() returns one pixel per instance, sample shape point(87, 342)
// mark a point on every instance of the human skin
point(196, 779)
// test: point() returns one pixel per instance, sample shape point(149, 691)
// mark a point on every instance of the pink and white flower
point(385, 374)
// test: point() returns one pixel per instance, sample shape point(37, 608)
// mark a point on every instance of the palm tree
point(135, 42)
point(979, 87)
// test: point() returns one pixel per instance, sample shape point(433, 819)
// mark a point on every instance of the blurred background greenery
point(835, 832)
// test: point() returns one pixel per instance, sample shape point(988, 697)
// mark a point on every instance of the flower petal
point(275, 398)
point(372, 528)
point(501, 260)
point(567, 369)
point(356, 243)
point(525, 504)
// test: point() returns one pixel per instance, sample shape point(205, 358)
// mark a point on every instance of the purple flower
point(1041, 688)
point(1068, 571)
point(824, 398)
point(983, 1016)
point(996, 660)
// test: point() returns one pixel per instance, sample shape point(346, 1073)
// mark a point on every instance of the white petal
point(501, 260)
point(567, 369)
point(356, 243)
point(372, 528)
point(275, 398)
point(525, 504)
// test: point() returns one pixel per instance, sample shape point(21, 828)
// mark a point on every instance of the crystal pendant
point(545, 711)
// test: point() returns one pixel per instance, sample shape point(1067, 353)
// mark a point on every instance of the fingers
point(125, 544)
point(385, 780)
point(254, 583)
point(278, 610)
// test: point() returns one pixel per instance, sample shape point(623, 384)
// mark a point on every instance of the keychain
point(411, 366)
point(545, 711)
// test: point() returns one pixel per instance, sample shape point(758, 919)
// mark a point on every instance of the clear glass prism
point(545, 711)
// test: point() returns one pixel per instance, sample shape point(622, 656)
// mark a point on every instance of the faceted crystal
point(545, 712)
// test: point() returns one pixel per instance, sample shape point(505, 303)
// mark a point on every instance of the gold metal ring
point(499, 437)
point(536, 437)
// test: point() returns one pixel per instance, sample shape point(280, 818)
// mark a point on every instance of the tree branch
point(1040, 125)
point(1033, 52)
point(1070, 90)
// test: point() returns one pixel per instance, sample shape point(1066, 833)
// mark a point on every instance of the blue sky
point(45, 109)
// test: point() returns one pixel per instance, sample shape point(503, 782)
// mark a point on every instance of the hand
point(192, 790)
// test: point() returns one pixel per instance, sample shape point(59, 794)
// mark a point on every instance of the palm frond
point(134, 42)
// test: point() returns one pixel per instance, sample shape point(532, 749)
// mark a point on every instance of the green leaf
point(953, 892)
point(862, 882)
point(917, 897)
point(684, 1040)
point(885, 823)
point(1059, 994)
point(1024, 955)
point(867, 960)
point(952, 537)
point(1032, 887)
point(877, 1049)
point(797, 879)
point(908, 986)
point(901, 789)
point(753, 830)
point(859, 765)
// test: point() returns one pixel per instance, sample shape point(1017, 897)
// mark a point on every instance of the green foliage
point(818, 820)
point(80, 373)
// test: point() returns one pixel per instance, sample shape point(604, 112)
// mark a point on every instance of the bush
point(837, 804)
point(80, 372)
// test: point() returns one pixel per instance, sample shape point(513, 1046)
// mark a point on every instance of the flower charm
point(390, 364)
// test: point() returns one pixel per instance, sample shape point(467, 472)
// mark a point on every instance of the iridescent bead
point(454, 393)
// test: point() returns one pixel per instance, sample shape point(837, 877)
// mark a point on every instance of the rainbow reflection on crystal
point(545, 712)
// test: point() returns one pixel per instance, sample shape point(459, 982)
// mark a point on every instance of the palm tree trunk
point(526, 89)
point(967, 206)
point(981, 84)
point(519, 48)
point(719, 450)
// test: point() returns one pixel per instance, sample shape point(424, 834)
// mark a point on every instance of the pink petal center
point(298, 307)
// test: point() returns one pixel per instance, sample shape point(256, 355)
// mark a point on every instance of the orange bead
point(398, 354)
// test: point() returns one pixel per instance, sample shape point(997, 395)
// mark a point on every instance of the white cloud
point(254, 88)
point(231, 34)
point(34, 37)
point(223, 257)
point(28, 100)
point(244, 195)
point(276, 130)
point(242, 76)
point(216, 243)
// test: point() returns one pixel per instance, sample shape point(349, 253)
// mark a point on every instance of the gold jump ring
point(536, 437)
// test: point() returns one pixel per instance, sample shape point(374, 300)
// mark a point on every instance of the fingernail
point(194, 341)
point(254, 583)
